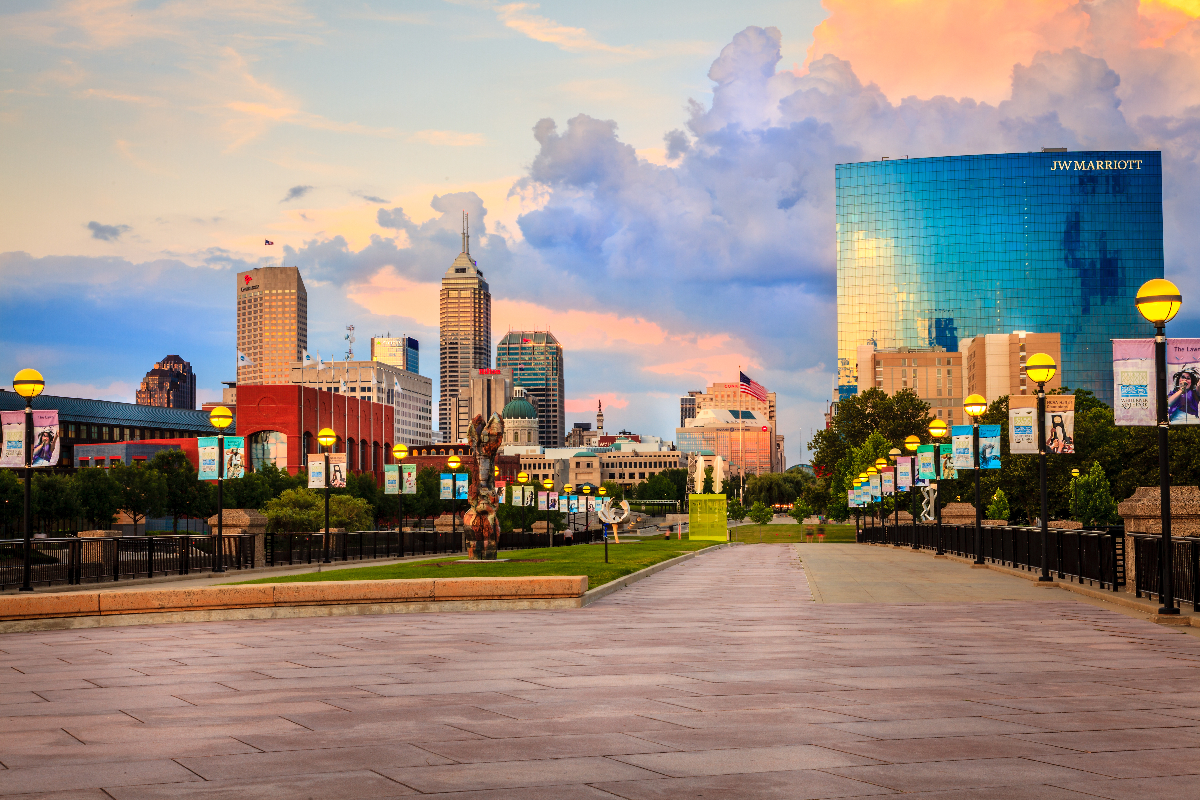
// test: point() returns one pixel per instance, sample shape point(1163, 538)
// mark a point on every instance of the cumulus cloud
point(296, 192)
point(106, 233)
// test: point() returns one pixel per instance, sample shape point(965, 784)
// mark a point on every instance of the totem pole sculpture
point(481, 521)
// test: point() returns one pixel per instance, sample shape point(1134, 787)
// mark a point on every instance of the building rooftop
point(107, 412)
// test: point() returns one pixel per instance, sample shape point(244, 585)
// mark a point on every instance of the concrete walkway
point(718, 678)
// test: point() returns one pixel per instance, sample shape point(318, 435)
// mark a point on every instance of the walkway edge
point(600, 592)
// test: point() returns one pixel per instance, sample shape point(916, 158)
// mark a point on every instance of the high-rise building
point(409, 395)
point(402, 352)
point(996, 362)
point(272, 329)
point(536, 361)
point(724, 404)
point(171, 384)
point(935, 376)
point(466, 331)
point(931, 251)
point(687, 407)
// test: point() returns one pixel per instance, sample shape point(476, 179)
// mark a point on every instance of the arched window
point(351, 455)
point(364, 456)
point(308, 448)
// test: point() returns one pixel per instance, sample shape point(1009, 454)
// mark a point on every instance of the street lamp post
point(548, 485)
point(399, 453)
point(1041, 368)
point(880, 466)
point(567, 489)
point(603, 526)
point(587, 517)
point(327, 438)
point(1159, 301)
point(29, 384)
point(453, 463)
point(863, 477)
point(911, 443)
point(937, 429)
point(975, 405)
point(523, 478)
point(220, 418)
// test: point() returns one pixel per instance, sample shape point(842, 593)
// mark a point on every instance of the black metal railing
point(74, 561)
point(1185, 567)
point(1083, 555)
point(309, 548)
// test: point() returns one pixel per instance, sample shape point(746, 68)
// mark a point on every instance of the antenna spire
point(466, 233)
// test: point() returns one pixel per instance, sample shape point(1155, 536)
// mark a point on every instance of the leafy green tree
point(425, 502)
point(303, 510)
point(736, 512)
point(613, 490)
point(143, 491)
point(707, 486)
point(656, 487)
point(760, 514)
point(53, 497)
point(800, 511)
point(777, 488)
point(678, 477)
point(98, 495)
point(1092, 502)
point(186, 496)
point(12, 499)
point(999, 506)
point(252, 490)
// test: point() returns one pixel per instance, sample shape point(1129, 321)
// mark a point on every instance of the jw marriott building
point(932, 252)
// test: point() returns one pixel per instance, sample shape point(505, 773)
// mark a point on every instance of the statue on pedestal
point(481, 521)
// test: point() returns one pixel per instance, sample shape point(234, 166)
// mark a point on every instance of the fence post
point(1195, 548)
point(149, 556)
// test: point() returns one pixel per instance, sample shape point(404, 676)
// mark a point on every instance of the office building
point(409, 396)
point(171, 384)
point(465, 344)
point(996, 362)
point(687, 407)
point(746, 440)
point(488, 392)
point(932, 251)
point(272, 324)
point(401, 352)
point(536, 361)
point(934, 375)
point(520, 421)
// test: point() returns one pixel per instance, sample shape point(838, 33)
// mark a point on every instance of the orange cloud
point(583, 405)
point(967, 48)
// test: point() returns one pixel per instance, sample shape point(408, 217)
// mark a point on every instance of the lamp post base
point(1044, 578)
point(1168, 611)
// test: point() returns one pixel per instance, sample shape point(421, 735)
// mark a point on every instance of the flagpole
point(742, 437)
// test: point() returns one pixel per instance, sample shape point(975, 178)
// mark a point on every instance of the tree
point(1092, 502)
point(999, 506)
point(53, 497)
point(143, 491)
point(678, 477)
point(760, 514)
point(614, 491)
point(737, 512)
point(252, 490)
point(98, 495)
point(425, 502)
point(657, 487)
point(776, 488)
point(800, 511)
point(185, 496)
point(12, 499)
point(303, 510)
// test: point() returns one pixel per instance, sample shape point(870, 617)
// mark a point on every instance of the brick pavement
point(718, 678)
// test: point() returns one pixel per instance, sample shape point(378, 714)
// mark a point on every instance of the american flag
point(752, 388)
point(267, 241)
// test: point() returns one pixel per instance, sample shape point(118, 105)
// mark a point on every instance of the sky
point(651, 182)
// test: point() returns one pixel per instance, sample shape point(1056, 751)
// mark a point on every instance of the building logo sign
point(489, 372)
point(1095, 166)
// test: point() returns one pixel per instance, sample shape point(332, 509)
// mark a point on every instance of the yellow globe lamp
point(220, 418)
point(913, 442)
point(862, 476)
point(975, 405)
point(522, 477)
point(326, 437)
point(872, 470)
point(586, 489)
point(938, 429)
point(1074, 473)
point(602, 491)
point(453, 462)
point(400, 451)
point(880, 463)
point(496, 471)
point(894, 453)
point(1040, 367)
point(28, 383)
point(548, 484)
point(1159, 301)
point(567, 488)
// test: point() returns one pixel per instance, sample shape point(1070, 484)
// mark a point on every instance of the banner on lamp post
point(904, 473)
point(337, 470)
point(408, 479)
point(989, 447)
point(1060, 423)
point(946, 461)
point(927, 462)
point(1183, 383)
point(461, 482)
point(316, 471)
point(876, 487)
point(543, 499)
point(960, 436)
point(391, 479)
point(1134, 392)
point(1022, 424)
point(446, 486)
point(887, 479)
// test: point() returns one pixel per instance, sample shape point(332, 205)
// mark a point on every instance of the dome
point(584, 454)
point(519, 408)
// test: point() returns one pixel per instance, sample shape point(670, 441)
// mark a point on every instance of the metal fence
point(75, 561)
point(1185, 567)
point(1082, 555)
point(308, 548)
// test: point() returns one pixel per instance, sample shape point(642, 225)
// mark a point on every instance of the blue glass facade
point(931, 251)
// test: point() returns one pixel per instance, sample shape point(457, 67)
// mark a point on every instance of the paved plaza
point(718, 678)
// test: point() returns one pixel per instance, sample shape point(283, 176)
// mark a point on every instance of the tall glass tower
point(931, 251)
point(466, 332)
point(536, 361)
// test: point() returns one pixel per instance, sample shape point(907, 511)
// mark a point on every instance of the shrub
point(999, 506)
point(760, 514)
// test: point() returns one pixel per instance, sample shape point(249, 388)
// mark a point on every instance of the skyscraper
point(536, 361)
point(171, 384)
point(932, 251)
point(466, 332)
point(272, 329)
point(401, 352)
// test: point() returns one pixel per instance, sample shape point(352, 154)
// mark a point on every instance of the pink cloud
point(584, 405)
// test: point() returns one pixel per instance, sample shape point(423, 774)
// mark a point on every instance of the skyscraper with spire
point(466, 337)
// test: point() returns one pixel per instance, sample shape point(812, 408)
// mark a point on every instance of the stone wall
point(1142, 513)
point(236, 521)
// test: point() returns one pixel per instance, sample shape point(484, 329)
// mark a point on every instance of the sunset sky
point(653, 182)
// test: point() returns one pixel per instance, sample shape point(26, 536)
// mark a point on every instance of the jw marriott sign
point(1092, 166)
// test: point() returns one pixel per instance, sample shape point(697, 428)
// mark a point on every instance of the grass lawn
point(760, 534)
point(584, 559)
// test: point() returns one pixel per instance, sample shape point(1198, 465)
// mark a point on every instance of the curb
point(600, 592)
